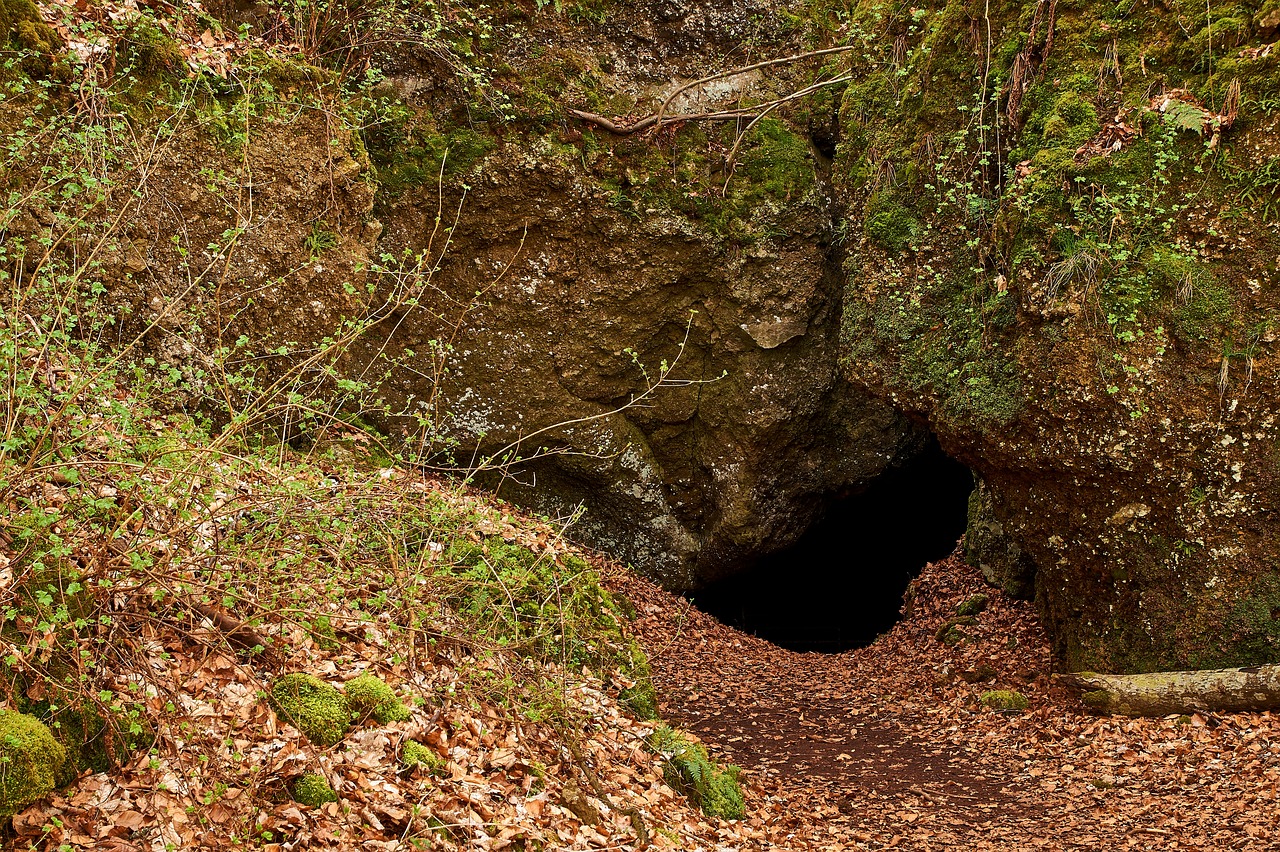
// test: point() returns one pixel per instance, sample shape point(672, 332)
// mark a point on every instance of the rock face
point(688, 472)
point(1090, 319)
point(992, 550)
point(581, 263)
point(1049, 233)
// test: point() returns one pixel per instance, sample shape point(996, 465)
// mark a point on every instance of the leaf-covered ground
point(890, 747)
point(885, 747)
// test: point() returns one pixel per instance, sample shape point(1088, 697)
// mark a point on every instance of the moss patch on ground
point(415, 754)
point(689, 770)
point(30, 760)
point(1004, 699)
point(320, 711)
point(369, 696)
point(313, 790)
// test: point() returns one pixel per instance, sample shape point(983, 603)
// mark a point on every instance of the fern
point(1181, 115)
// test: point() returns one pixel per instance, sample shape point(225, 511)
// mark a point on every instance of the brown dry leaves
point(888, 747)
point(223, 764)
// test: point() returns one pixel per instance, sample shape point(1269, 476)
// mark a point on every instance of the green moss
point(973, 605)
point(1253, 623)
point(1005, 699)
point(950, 634)
point(313, 790)
point(541, 605)
point(410, 150)
point(777, 162)
point(93, 743)
point(148, 52)
point(30, 759)
point(315, 708)
point(415, 754)
point(774, 174)
point(640, 698)
point(689, 770)
point(1204, 308)
point(22, 27)
point(890, 224)
point(1096, 699)
point(370, 696)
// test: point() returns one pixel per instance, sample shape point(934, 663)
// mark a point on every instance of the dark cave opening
point(841, 585)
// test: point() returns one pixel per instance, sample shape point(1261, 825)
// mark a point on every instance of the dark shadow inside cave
point(841, 584)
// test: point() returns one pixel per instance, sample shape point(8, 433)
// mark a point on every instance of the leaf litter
point(884, 747)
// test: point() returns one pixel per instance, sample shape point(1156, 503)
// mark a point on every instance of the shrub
point(29, 761)
point(315, 708)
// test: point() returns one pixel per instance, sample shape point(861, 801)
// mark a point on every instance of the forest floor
point(889, 746)
point(886, 747)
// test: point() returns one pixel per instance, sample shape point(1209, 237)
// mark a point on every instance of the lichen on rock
point(30, 759)
point(320, 711)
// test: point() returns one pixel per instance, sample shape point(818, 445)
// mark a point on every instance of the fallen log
point(1164, 693)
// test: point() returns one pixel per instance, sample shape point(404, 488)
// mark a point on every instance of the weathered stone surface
point(988, 547)
point(755, 426)
point(1081, 305)
point(1109, 369)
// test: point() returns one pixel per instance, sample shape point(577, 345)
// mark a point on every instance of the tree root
point(633, 814)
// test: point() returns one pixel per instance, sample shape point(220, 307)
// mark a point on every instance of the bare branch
point(660, 118)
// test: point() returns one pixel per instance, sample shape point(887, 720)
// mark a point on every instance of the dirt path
point(889, 746)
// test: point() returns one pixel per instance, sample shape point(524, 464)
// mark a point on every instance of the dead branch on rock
point(1255, 688)
point(660, 118)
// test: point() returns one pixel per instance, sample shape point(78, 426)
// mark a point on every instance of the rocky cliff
point(1045, 231)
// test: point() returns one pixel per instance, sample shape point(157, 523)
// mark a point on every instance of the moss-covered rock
point(989, 548)
point(320, 711)
point(415, 754)
point(30, 759)
point(369, 696)
point(1004, 699)
point(148, 51)
point(313, 790)
point(22, 27)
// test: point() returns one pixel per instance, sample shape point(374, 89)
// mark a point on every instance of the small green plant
point(370, 696)
point(689, 770)
point(313, 790)
point(319, 240)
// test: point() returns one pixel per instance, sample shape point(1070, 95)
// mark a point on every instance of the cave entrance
point(841, 585)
